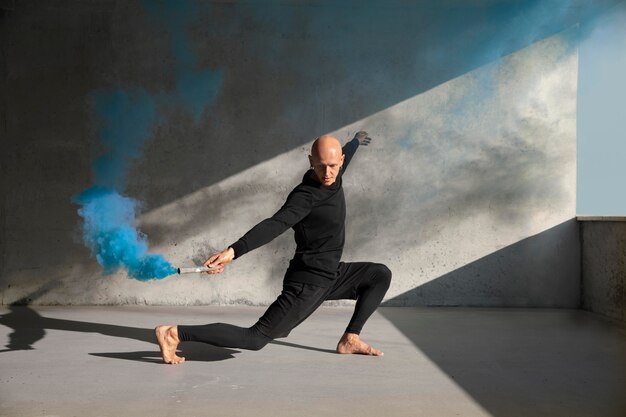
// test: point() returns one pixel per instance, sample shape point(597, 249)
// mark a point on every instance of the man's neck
point(314, 177)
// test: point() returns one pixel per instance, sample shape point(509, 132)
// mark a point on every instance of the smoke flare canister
point(194, 269)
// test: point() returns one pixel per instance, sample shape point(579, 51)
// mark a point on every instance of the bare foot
point(352, 343)
point(167, 336)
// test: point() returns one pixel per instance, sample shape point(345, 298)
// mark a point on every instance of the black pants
point(365, 282)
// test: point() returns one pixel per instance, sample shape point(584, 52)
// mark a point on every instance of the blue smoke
point(109, 226)
point(126, 123)
point(127, 118)
point(196, 89)
point(110, 232)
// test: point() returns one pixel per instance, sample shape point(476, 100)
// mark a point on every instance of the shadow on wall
point(290, 73)
point(540, 271)
point(275, 96)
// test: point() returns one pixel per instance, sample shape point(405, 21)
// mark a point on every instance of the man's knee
point(383, 274)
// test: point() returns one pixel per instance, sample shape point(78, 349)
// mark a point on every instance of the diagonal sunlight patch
point(452, 175)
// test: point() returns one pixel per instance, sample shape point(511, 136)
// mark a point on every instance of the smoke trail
point(196, 88)
point(109, 226)
point(127, 118)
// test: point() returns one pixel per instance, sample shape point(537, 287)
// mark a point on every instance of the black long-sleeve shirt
point(317, 215)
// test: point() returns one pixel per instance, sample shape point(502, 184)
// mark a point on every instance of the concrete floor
point(101, 361)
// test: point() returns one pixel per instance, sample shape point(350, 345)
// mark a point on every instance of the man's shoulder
point(307, 185)
point(308, 182)
point(308, 177)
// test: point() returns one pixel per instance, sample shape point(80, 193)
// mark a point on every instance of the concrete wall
point(467, 191)
point(604, 266)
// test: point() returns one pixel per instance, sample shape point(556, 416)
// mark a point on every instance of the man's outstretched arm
point(361, 138)
point(297, 206)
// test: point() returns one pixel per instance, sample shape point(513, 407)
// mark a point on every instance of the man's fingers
point(363, 137)
point(211, 261)
point(218, 260)
point(216, 270)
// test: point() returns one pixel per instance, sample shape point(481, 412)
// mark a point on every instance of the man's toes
point(372, 351)
point(377, 352)
point(175, 360)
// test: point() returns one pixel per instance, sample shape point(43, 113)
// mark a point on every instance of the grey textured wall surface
point(467, 191)
point(604, 267)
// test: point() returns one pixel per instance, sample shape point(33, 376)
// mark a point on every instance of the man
point(316, 210)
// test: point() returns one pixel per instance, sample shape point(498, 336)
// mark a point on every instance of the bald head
point(325, 146)
point(326, 159)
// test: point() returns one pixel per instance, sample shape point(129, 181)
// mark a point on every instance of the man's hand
point(219, 260)
point(363, 138)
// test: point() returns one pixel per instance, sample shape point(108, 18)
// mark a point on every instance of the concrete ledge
point(601, 218)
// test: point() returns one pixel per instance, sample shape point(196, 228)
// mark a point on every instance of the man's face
point(327, 166)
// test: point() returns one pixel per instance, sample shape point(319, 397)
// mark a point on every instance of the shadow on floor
point(29, 327)
point(523, 362)
point(289, 344)
point(197, 352)
point(519, 362)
